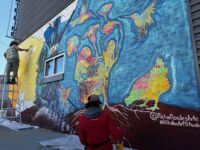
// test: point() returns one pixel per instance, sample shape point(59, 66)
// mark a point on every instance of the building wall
point(137, 55)
point(31, 15)
point(28, 67)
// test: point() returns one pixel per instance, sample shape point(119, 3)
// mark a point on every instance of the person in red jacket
point(96, 127)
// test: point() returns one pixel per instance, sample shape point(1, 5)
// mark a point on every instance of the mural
point(98, 41)
point(125, 51)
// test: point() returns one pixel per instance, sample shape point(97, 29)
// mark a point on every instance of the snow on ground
point(70, 142)
point(16, 125)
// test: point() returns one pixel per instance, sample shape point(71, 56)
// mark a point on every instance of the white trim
point(64, 60)
point(53, 59)
point(53, 75)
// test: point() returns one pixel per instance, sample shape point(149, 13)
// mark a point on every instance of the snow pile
point(47, 116)
point(70, 142)
point(17, 126)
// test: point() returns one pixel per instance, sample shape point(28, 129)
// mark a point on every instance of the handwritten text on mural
point(176, 120)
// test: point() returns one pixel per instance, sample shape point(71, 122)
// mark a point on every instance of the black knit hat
point(14, 43)
point(93, 100)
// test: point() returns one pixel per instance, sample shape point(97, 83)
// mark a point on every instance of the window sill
point(53, 78)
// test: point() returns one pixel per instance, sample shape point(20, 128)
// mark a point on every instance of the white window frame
point(54, 61)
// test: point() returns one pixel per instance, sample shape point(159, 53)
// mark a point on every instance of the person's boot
point(13, 81)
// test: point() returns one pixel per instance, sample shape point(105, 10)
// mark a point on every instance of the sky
point(4, 20)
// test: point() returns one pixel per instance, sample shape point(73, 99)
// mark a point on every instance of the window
point(49, 68)
point(54, 66)
point(59, 61)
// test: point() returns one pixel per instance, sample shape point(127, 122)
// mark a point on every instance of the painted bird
point(83, 16)
point(144, 19)
point(150, 86)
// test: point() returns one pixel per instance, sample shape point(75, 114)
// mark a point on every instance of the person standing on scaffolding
point(12, 58)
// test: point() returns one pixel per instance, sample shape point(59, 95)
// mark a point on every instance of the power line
point(10, 17)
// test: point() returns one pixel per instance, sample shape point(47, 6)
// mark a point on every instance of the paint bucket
point(119, 146)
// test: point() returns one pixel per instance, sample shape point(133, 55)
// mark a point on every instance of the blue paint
point(168, 37)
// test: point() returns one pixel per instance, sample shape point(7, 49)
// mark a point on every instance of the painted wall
point(134, 54)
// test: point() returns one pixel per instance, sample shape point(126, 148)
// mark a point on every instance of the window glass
point(54, 66)
point(59, 62)
point(49, 68)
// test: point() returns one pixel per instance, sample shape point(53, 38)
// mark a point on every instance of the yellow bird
point(144, 19)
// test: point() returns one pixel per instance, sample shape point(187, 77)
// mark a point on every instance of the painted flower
point(108, 27)
point(72, 45)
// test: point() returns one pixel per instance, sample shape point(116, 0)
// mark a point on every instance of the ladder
point(12, 111)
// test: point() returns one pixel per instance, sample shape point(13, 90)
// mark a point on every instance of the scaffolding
point(11, 110)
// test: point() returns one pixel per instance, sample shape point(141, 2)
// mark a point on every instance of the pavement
point(14, 135)
point(26, 139)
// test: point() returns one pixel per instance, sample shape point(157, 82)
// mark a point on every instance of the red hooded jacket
point(97, 133)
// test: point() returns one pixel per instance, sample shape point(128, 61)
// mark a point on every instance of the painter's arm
point(21, 49)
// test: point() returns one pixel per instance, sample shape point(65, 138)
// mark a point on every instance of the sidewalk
point(25, 139)
point(38, 139)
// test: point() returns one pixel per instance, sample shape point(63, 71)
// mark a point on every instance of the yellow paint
point(70, 46)
point(65, 94)
point(156, 82)
point(108, 55)
point(28, 67)
point(145, 18)
point(84, 18)
point(119, 146)
point(13, 94)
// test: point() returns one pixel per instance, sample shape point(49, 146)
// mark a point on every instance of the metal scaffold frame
point(16, 111)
